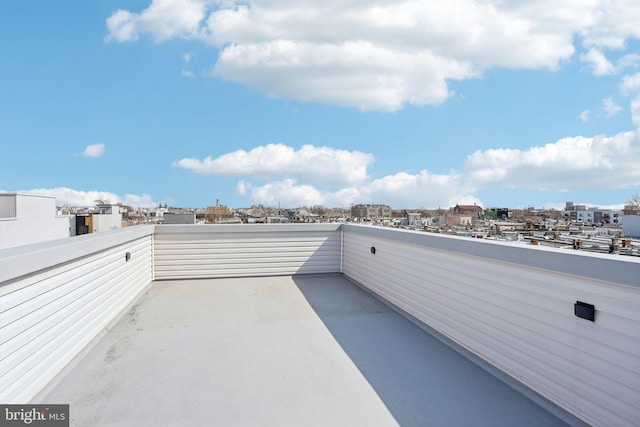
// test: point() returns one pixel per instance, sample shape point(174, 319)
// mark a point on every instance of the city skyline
point(411, 104)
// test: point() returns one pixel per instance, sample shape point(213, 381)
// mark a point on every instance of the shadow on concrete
point(422, 381)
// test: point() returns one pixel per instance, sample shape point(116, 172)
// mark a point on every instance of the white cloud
point(610, 108)
point(326, 176)
point(378, 56)
point(94, 150)
point(325, 165)
point(584, 116)
point(598, 63)
point(601, 66)
point(163, 19)
point(138, 201)
point(630, 84)
point(242, 188)
point(71, 197)
point(615, 207)
point(631, 60)
point(288, 193)
point(122, 26)
point(635, 112)
point(383, 54)
point(186, 59)
point(354, 73)
point(400, 190)
point(568, 164)
point(405, 190)
point(610, 23)
point(275, 173)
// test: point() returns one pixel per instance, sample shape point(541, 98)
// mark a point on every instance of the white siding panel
point(518, 318)
point(232, 251)
point(49, 316)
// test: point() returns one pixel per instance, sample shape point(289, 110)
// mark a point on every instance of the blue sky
point(416, 104)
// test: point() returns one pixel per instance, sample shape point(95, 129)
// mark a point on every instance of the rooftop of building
point(280, 351)
point(318, 324)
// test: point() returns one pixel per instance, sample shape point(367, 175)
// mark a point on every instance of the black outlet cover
point(585, 311)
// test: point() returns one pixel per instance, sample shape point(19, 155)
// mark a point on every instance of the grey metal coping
point(243, 228)
point(22, 260)
point(27, 259)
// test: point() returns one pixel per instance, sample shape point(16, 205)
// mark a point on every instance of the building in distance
point(28, 218)
point(218, 213)
point(371, 211)
point(473, 211)
point(179, 218)
point(594, 215)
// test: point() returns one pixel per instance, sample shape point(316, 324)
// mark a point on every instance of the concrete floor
point(280, 351)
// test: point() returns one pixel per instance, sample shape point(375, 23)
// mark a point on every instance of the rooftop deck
point(287, 325)
point(279, 351)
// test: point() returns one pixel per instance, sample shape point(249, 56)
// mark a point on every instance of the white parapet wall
point(56, 297)
point(508, 304)
point(208, 251)
point(512, 306)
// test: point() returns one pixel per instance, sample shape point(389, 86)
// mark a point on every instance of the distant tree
point(319, 209)
point(635, 200)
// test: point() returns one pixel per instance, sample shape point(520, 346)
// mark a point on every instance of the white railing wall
point(513, 307)
point(56, 297)
point(507, 304)
point(207, 251)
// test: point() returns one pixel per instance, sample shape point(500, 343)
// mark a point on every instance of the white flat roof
point(26, 195)
point(279, 351)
